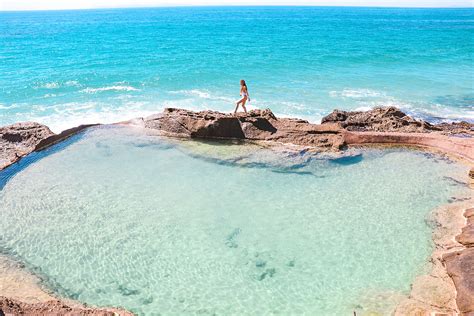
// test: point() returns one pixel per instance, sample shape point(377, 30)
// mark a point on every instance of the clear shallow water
point(70, 67)
point(157, 226)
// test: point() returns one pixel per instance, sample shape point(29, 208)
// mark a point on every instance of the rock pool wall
point(388, 126)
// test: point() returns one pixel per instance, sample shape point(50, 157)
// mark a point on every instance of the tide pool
point(114, 217)
point(67, 68)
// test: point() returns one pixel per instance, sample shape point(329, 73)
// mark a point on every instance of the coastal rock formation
point(459, 263)
point(392, 119)
point(460, 266)
point(466, 237)
point(56, 307)
point(456, 128)
point(378, 126)
point(471, 178)
point(259, 125)
point(382, 119)
point(340, 128)
point(20, 139)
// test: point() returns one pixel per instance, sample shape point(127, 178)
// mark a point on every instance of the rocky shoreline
point(338, 130)
point(449, 288)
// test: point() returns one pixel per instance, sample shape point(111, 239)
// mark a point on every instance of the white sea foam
point(50, 85)
point(203, 94)
point(111, 88)
point(59, 122)
point(433, 113)
point(193, 92)
point(363, 108)
point(356, 93)
point(72, 83)
point(295, 105)
point(439, 113)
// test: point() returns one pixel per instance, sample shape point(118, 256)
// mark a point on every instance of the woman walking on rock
point(244, 93)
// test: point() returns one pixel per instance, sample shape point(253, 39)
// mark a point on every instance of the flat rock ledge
point(259, 125)
point(448, 288)
point(460, 265)
point(337, 131)
point(20, 139)
point(55, 307)
point(385, 125)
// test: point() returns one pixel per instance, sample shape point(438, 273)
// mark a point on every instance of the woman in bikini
point(244, 93)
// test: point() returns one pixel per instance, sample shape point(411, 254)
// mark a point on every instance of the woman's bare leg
point(244, 100)
point(238, 103)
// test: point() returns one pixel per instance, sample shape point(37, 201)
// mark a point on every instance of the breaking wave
point(111, 88)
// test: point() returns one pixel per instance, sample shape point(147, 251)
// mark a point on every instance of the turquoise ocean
point(116, 217)
point(64, 68)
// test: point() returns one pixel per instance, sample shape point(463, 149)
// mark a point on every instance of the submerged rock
point(261, 125)
point(20, 139)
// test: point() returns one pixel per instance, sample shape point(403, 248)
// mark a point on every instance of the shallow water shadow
point(348, 160)
point(239, 162)
point(23, 163)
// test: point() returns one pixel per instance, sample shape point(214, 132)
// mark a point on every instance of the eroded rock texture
point(256, 125)
point(460, 266)
point(20, 139)
point(391, 119)
point(386, 119)
point(467, 235)
point(14, 307)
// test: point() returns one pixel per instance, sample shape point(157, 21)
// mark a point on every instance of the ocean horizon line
point(241, 6)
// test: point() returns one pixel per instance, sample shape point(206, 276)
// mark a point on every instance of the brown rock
point(20, 139)
point(433, 291)
point(471, 178)
point(14, 307)
point(460, 267)
point(255, 125)
point(457, 146)
point(467, 235)
point(391, 119)
point(56, 138)
point(382, 119)
point(457, 127)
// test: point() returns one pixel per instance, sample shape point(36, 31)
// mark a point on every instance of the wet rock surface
point(56, 307)
point(261, 125)
point(20, 139)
